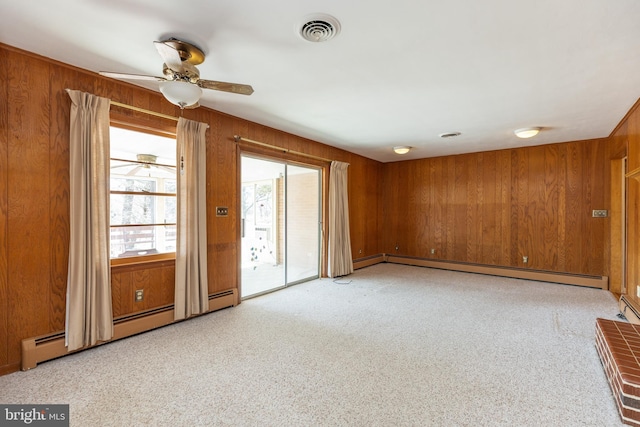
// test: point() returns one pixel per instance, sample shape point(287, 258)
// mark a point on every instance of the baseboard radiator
point(368, 261)
point(630, 309)
point(47, 347)
point(601, 282)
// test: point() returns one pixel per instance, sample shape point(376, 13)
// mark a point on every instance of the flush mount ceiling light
point(526, 132)
point(318, 28)
point(401, 149)
point(181, 93)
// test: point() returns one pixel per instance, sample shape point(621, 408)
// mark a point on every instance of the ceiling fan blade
point(134, 170)
point(130, 76)
point(225, 87)
point(170, 56)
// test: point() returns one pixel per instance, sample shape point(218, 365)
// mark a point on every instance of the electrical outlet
point(638, 291)
point(222, 211)
point(433, 251)
point(139, 295)
point(525, 259)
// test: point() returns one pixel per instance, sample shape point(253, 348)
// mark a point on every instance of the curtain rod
point(142, 110)
point(238, 138)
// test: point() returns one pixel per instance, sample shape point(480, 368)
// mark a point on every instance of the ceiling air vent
point(319, 28)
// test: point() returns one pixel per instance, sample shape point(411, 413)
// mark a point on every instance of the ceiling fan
point(181, 84)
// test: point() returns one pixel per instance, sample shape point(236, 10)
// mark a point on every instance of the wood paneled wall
point(496, 207)
point(628, 134)
point(34, 196)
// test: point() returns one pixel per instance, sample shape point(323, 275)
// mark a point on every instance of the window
point(143, 193)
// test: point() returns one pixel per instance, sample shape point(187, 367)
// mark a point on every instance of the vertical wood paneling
point(424, 237)
point(496, 207)
point(629, 133)
point(117, 288)
point(633, 238)
point(503, 187)
point(562, 207)
point(535, 208)
point(357, 197)
point(596, 175)
point(450, 235)
point(491, 232)
point(514, 208)
point(617, 226)
point(391, 207)
point(523, 226)
point(28, 227)
point(550, 209)
point(414, 201)
point(573, 193)
point(62, 78)
point(373, 213)
point(402, 238)
point(4, 175)
point(473, 220)
point(437, 172)
point(221, 191)
point(461, 236)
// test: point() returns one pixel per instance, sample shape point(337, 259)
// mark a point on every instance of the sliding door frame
point(243, 148)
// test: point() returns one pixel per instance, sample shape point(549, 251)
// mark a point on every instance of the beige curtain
point(340, 261)
point(89, 317)
point(192, 290)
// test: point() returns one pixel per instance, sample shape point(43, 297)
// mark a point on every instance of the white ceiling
point(399, 73)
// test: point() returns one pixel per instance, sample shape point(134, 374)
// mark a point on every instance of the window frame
point(134, 121)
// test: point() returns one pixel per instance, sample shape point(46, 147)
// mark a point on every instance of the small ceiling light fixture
point(401, 149)
point(527, 132)
point(183, 94)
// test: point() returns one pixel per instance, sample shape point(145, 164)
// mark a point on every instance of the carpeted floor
point(389, 345)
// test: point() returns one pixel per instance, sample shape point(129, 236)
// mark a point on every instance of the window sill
point(144, 259)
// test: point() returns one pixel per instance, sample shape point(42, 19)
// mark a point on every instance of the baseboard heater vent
point(51, 346)
point(368, 261)
point(630, 309)
point(222, 294)
point(601, 282)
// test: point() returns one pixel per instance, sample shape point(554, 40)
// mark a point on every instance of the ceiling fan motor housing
point(189, 73)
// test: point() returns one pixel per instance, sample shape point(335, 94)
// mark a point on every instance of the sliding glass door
point(303, 223)
point(280, 225)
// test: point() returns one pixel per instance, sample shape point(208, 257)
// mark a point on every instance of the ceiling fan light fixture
point(527, 132)
point(401, 149)
point(182, 94)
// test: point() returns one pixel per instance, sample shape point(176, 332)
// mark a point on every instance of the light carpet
point(389, 345)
